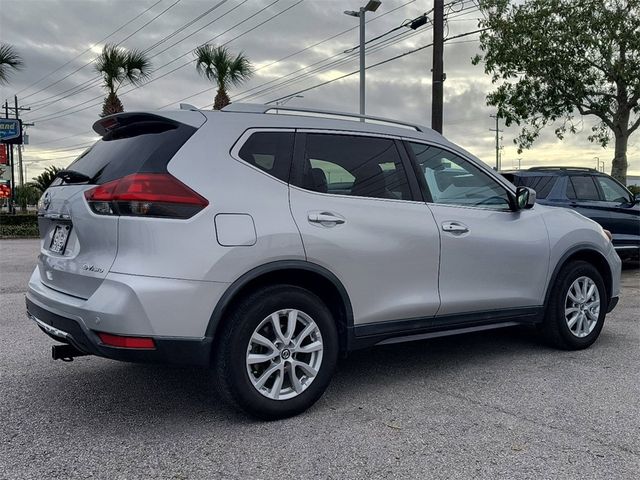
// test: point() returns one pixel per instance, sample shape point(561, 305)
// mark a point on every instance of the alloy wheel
point(582, 306)
point(284, 354)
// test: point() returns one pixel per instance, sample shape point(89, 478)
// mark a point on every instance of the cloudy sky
point(58, 39)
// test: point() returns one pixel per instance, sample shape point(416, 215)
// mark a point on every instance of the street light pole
point(362, 66)
point(371, 6)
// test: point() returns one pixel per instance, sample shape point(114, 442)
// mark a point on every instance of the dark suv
point(595, 195)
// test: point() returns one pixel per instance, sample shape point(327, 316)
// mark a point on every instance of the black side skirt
point(370, 334)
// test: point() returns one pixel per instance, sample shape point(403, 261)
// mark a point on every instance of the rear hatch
point(124, 173)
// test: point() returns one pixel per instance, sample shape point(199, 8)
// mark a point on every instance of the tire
point(556, 326)
point(240, 383)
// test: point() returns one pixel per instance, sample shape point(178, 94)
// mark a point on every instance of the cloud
point(50, 33)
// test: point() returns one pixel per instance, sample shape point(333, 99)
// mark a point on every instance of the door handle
point(325, 218)
point(454, 227)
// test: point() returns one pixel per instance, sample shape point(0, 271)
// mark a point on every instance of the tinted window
point(582, 187)
point(145, 147)
point(353, 165)
point(541, 184)
point(269, 151)
point(612, 190)
point(452, 180)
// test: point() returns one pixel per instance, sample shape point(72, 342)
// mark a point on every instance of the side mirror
point(636, 198)
point(525, 197)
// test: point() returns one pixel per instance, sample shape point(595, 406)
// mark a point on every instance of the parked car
point(266, 243)
point(594, 194)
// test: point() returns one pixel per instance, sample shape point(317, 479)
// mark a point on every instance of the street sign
point(11, 131)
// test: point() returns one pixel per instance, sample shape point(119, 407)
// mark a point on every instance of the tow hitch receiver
point(66, 353)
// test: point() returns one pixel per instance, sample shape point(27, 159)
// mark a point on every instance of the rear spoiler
point(113, 122)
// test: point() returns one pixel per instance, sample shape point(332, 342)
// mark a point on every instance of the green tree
point(120, 67)
point(9, 61)
point(28, 194)
point(555, 60)
point(218, 65)
point(42, 181)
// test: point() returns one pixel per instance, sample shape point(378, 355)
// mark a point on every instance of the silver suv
point(266, 243)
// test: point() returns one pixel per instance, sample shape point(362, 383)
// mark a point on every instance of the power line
point(375, 48)
point(59, 114)
point(85, 51)
point(93, 60)
point(371, 66)
point(97, 79)
point(186, 25)
point(296, 53)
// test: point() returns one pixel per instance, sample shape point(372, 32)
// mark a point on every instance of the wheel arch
point(589, 254)
point(301, 273)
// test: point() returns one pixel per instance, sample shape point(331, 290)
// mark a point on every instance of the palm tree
point(42, 181)
point(118, 67)
point(218, 65)
point(9, 61)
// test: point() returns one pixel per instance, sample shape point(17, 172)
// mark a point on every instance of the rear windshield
point(144, 147)
point(542, 184)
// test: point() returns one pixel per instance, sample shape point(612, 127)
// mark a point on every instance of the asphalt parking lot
point(490, 405)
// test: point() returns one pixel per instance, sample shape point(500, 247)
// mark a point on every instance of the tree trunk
point(221, 100)
point(112, 104)
point(619, 164)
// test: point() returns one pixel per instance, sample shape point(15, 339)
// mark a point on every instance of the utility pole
point(498, 131)
point(437, 73)
point(17, 111)
point(12, 183)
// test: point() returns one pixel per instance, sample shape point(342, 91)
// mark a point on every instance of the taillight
point(145, 195)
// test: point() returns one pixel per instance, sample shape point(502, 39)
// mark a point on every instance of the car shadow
point(113, 394)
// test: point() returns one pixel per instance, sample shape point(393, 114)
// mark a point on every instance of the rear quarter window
point(271, 152)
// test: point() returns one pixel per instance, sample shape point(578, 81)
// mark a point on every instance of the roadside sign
point(5, 190)
point(11, 131)
point(5, 173)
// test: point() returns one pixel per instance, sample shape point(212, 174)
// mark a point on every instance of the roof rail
point(270, 109)
point(580, 169)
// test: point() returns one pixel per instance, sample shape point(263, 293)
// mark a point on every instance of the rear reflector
point(145, 194)
point(126, 342)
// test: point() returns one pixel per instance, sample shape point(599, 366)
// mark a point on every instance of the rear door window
point(360, 166)
point(142, 147)
point(270, 152)
point(582, 187)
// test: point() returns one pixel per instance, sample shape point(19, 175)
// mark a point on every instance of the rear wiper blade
point(71, 176)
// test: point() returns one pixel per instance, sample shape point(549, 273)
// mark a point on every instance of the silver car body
point(391, 258)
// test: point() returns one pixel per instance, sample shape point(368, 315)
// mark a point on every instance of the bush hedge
point(21, 225)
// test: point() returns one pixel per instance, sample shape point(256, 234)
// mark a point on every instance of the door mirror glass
point(525, 197)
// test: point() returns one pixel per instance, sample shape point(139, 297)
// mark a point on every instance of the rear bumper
point(176, 351)
point(174, 312)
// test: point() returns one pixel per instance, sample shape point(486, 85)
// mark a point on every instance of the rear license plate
point(60, 238)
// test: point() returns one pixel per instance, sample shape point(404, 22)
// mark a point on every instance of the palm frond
point(137, 67)
point(9, 61)
point(218, 65)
